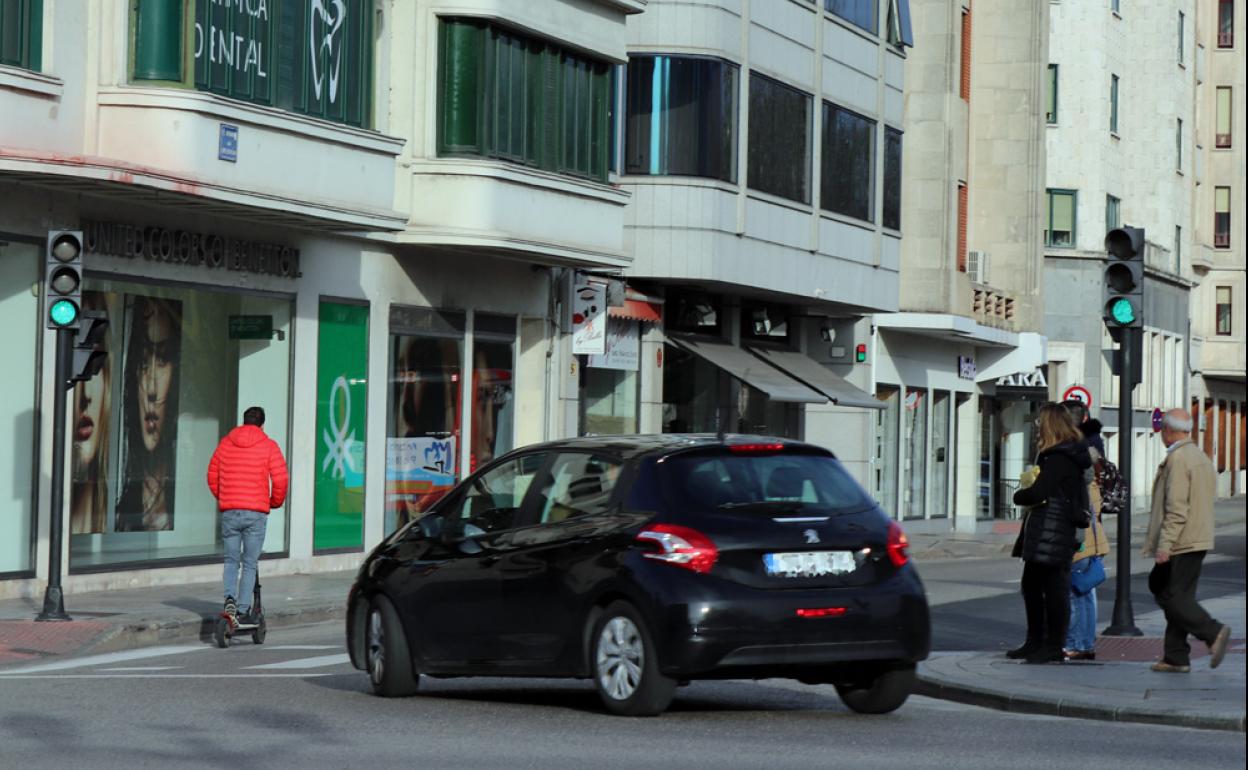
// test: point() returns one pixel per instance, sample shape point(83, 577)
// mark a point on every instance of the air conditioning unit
point(977, 266)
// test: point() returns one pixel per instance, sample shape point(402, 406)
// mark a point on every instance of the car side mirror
point(431, 526)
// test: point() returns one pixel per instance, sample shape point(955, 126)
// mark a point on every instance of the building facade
point(1218, 354)
point(359, 216)
point(962, 365)
point(1120, 110)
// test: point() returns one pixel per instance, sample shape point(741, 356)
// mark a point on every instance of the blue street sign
point(227, 143)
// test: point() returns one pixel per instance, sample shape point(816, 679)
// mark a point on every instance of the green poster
point(341, 409)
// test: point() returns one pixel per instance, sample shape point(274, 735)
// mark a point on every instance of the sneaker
point(1170, 668)
point(1217, 648)
point(230, 613)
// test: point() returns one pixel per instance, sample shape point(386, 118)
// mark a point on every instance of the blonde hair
point(1055, 426)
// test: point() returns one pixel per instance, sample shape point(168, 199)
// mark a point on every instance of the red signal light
point(860, 353)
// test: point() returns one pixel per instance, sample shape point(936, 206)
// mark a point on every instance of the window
point(899, 32)
point(1050, 110)
point(860, 13)
point(813, 483)
point(1178, 249)
point(1182, 18)
point(1222, 129)
point(21, 265)
point(1178, 144)
point(1113, 207)
point(1226, 23)
point(1059, 217)
point(962, 222)
point(261, 53)
point(848, 184)
point(1113, 104)
point(964, 79)
point(779, 141)
point(1223, 310)
point(492, 501)
point(506, 96)
point(578, 485)
point(492, 432)
point(892, 178)
point(1222, 217)
point(21, 33)
point(681, 117)
point(1114, 5)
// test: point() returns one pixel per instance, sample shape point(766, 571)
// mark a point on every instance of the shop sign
point(211, 251)
point(341, 410)
point(966, 367)
point(1026, 386)
point(589, 316)
point(623, 347)
point(251, 327)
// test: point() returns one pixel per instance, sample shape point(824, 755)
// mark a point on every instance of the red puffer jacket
point(240, 470)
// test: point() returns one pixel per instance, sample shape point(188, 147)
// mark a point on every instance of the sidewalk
point(1117, 687)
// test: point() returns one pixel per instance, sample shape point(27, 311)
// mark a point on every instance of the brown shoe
point(1170, 668)
point(1217, 648)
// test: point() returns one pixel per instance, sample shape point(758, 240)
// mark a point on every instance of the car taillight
point(898, 544)
point(755, 449)
point(821, 612)
point(680, 547)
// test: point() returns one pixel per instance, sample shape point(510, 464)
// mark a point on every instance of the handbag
point(1083, 582)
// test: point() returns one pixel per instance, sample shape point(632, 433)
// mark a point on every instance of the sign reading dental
point(309, 56)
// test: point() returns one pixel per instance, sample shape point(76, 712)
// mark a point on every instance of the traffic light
point(89, 352)
point(1124, 278)
point(63, 279)
point(860, 353)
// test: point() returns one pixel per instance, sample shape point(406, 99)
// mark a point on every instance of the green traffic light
point(63, 312)
point(1122, 311)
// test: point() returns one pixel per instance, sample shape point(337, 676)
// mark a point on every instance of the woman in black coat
point(1058, 501)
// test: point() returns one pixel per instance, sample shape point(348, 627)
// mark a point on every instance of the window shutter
point(964, 84)
point(460, 86)
point(962, 200)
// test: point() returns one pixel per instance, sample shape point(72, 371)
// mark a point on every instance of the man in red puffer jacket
point(247, 475)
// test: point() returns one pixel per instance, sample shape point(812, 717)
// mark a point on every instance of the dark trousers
point(1046, 595)
point(1173, 584)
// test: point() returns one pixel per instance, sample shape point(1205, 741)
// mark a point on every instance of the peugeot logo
point(811, 536)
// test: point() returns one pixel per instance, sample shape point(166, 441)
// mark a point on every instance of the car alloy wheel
point(621, 658)
point(376, 647)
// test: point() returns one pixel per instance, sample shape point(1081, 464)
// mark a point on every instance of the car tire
point(387, 658)
point(624, 665)
point(882, 694)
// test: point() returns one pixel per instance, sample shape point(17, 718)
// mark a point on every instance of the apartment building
point(357, 215)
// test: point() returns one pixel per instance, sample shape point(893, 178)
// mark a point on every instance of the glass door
point(939, 502)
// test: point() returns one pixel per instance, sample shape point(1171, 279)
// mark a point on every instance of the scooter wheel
point(257, 636)
point(221, 633)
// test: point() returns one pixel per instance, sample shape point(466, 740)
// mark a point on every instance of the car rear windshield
point(766, 483)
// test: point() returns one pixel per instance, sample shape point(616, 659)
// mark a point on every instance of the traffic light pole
point(1124, 617)
point(53, 597)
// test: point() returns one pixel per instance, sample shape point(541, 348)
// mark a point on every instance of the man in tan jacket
point(1180, 532)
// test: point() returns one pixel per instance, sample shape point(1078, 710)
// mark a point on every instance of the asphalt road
point(295, 702)
point(976, 604)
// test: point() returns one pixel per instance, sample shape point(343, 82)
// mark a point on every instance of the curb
point(146, 634)
point(1000, 700)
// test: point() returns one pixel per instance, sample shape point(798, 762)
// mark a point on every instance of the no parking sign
point(1078, 393)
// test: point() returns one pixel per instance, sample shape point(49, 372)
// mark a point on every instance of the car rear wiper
point(764, 506)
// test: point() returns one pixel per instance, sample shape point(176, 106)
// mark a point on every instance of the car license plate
point(809, 563)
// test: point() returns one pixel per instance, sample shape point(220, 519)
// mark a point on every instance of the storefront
point(611, 381)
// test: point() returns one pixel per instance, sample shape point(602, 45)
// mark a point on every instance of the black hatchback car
point(644, 562)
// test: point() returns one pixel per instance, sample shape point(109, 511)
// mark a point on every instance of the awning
point(637, 310)
point(806, 369)
point(740, 364)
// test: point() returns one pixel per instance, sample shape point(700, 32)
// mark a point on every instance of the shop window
point(692, 395)
point(20, 265)
point(681, 117)
point(21, 36)
point(860, 13)
point(914, 506)
point(779, 140)
point(1059, 217)
point(517, 98)
point(759, 415)
point(493, 392)
point(887, 425)
point(892, 178)
point(341, 422)
point(610, 382)
point(426, 395)
point(312, 58)
point(1226, 23)
point(941, 455)
point(1223, 311)
point(175, 382)
point(1050, 110)
point(1221, 217)
point(848, 174)
point(1222, 130)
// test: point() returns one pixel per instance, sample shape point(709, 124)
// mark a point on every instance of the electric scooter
point(224, 630)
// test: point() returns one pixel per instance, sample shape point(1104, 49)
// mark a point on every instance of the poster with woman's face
point(151, 364)
point(92, 434)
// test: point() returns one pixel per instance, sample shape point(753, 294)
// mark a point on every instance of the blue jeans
point(242, 533)
point(1082, 634)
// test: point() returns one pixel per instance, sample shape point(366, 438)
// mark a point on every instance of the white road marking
point(303, 647)
point(161, 676)
point(141, 668)
point(109, 657)
point(317, 662)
